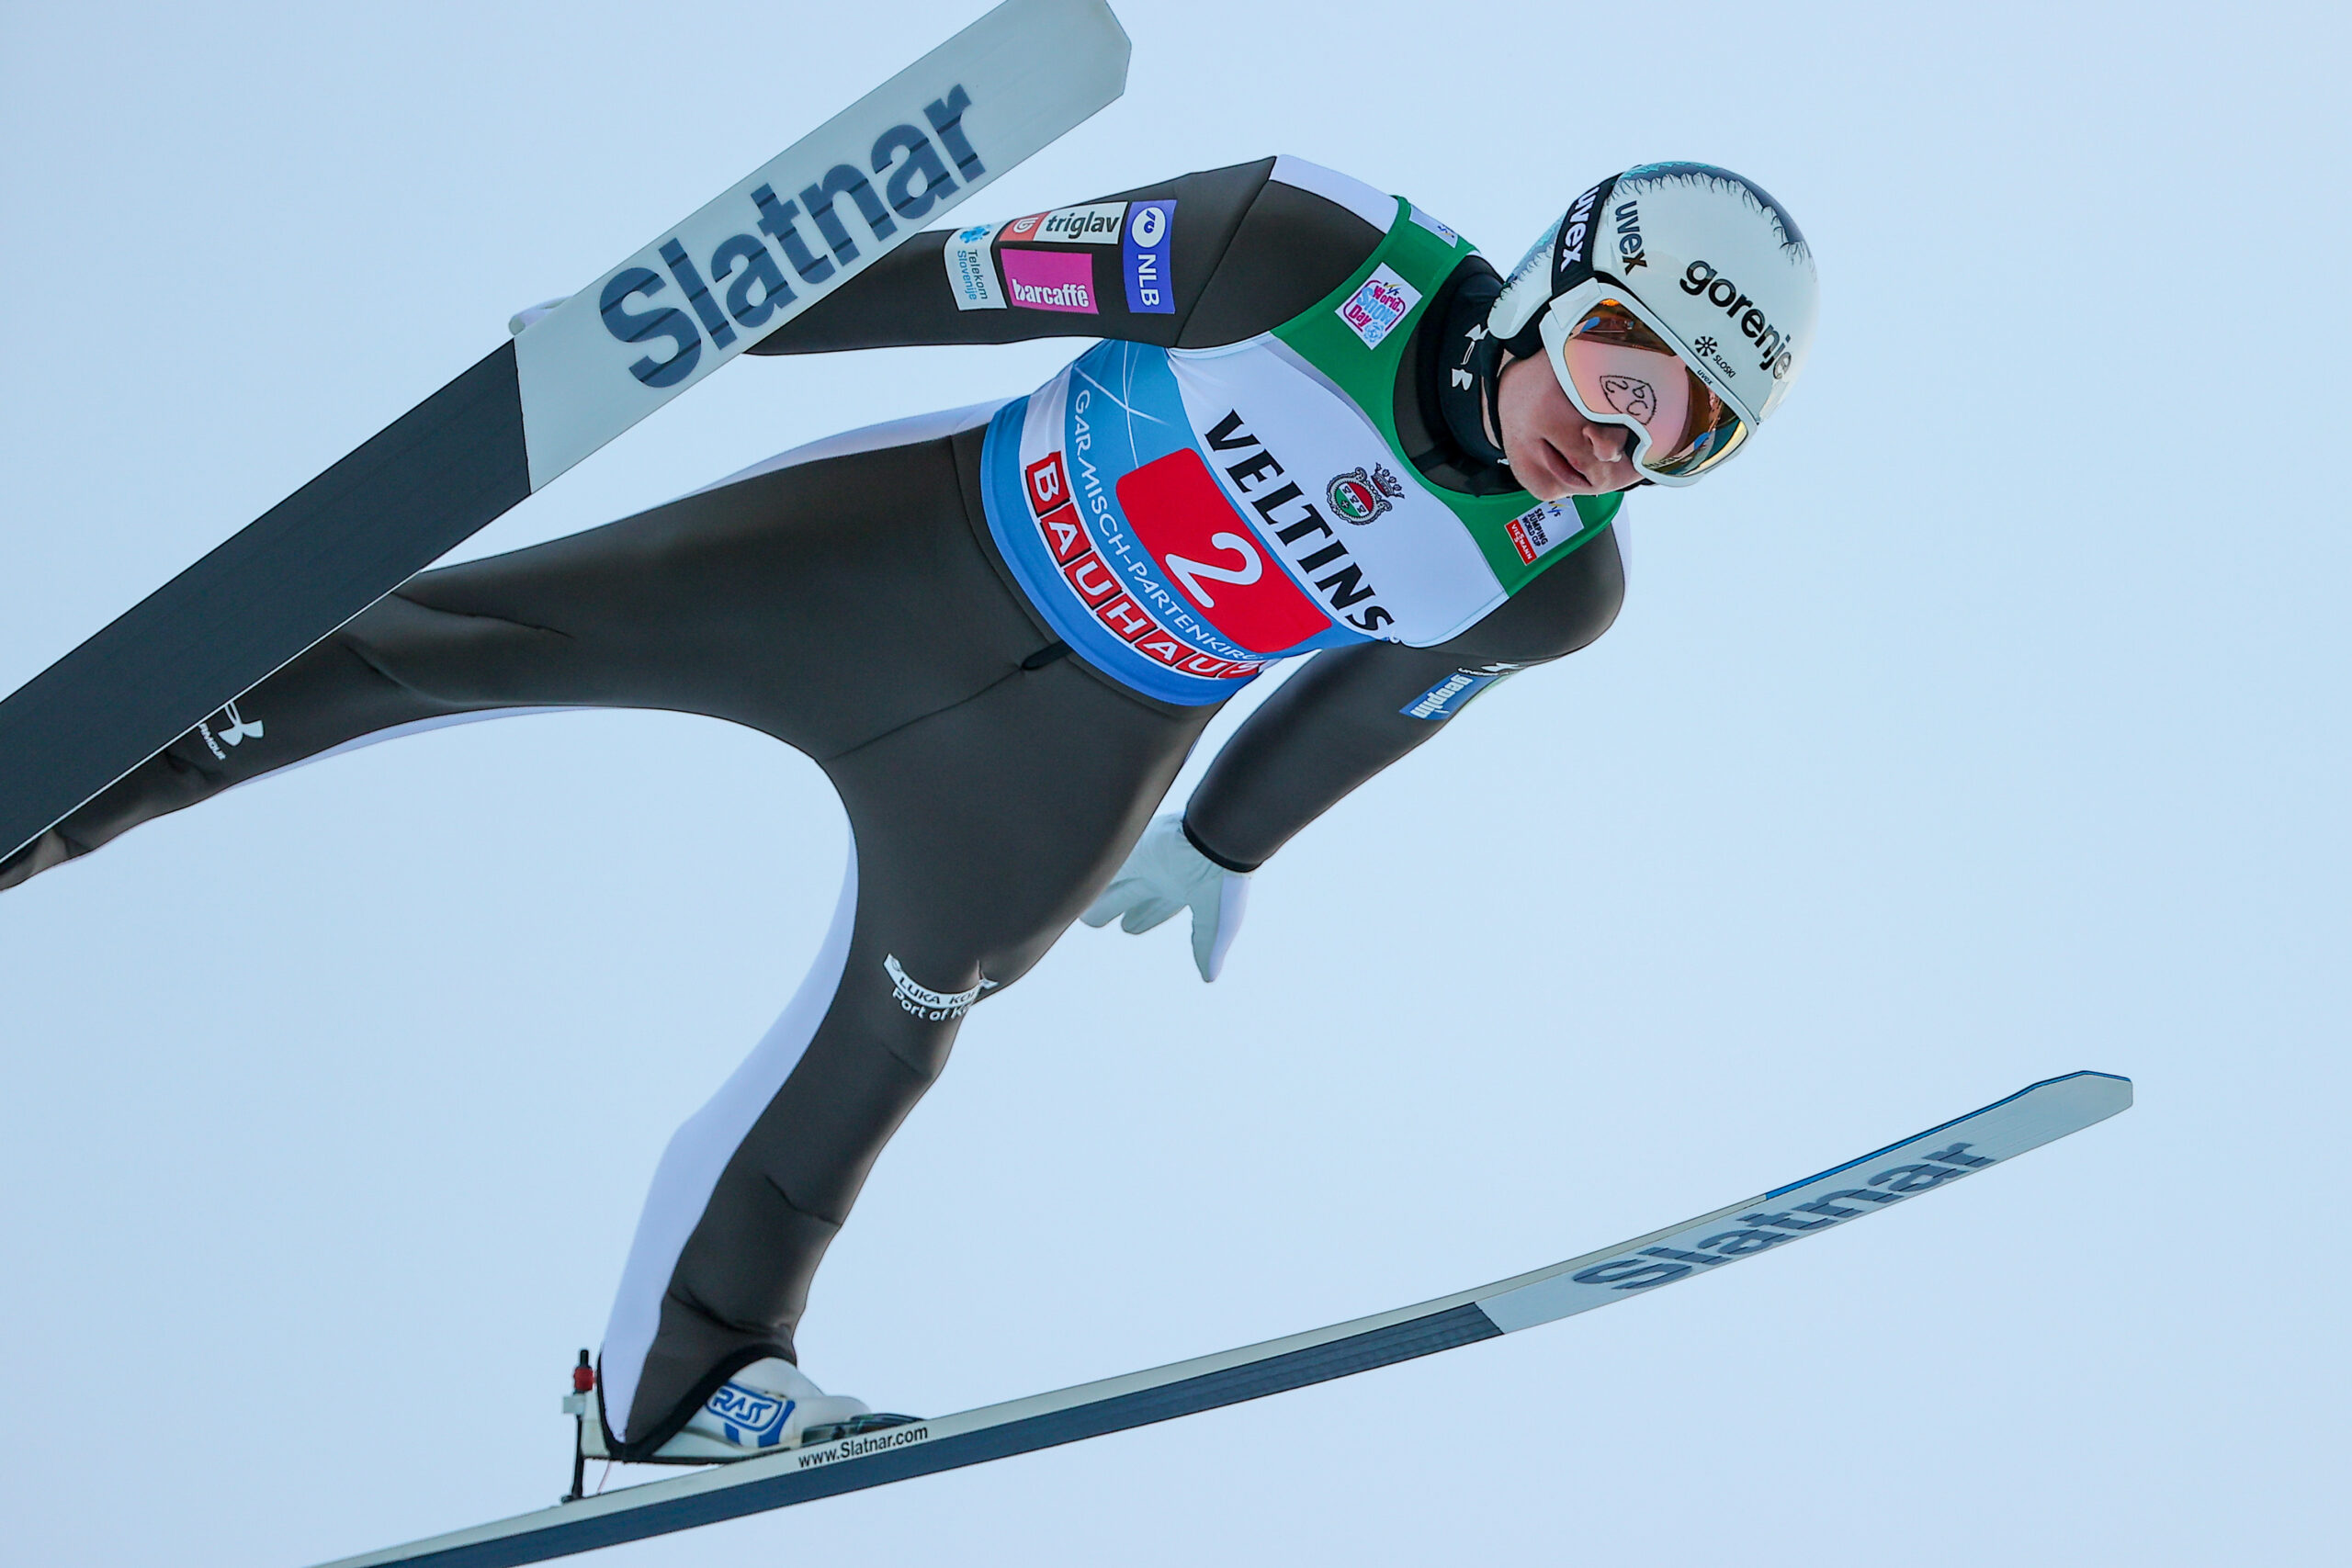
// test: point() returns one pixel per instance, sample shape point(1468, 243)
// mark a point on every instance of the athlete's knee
point(449, 656)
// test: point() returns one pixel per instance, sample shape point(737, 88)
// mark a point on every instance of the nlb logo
point(914, 180)
point(1775, 352)
point(1144, 258)
point(1759, 1232)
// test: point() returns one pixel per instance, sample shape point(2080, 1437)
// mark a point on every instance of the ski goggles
point(1617, 365)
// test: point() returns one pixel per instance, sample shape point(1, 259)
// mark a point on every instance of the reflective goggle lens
point(1619, 369)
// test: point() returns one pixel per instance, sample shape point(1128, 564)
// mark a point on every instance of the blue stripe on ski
point(1938, 1127)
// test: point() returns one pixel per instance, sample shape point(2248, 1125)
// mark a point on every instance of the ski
point(1935, 1159)
point(782, 238)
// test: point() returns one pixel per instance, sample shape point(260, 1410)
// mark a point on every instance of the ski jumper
point(1000, 631)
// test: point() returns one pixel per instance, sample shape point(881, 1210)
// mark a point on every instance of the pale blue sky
point(1984, 723)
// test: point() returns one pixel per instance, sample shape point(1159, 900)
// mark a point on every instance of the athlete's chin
point(1546, 483)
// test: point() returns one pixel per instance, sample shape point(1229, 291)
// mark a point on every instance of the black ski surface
point(416, 490)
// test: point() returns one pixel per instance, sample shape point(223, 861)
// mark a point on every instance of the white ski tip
point(2035, 1115)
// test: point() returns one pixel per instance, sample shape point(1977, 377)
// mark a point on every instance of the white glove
point(1164, 873)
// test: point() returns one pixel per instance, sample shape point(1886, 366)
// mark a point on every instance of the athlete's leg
point(716, 603)
point(979, 833)
point(339, 691)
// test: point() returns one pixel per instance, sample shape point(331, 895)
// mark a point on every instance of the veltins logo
point(1774, 351)
point(1359, 497)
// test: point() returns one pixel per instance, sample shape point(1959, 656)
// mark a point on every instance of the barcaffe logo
point(1774, 351)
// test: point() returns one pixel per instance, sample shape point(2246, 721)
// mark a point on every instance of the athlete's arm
point(1342, 718)
point(1247, 250)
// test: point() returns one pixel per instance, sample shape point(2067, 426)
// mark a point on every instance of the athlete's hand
point(1165, 873)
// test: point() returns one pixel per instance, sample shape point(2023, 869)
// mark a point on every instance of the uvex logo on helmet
point(1629, 237)
point(1575, 227)
point(1775, 352)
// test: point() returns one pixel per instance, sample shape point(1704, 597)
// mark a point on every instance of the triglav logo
point(933, 1007)
point(755, 286)
point(1359, 497)
point(1774, 351)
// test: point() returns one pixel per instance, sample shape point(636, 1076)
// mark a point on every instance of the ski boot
point(766, 1408)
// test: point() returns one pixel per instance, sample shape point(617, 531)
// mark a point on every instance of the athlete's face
point(1555, 451)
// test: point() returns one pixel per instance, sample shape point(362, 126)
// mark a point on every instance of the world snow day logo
point(1375, 308)
point(807, 228)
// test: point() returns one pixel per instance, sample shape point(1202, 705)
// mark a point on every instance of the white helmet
point(1684, 259)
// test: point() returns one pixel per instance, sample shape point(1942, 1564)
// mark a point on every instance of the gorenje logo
point(1629, 238)
point(1775, 352)
point(755, 286)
